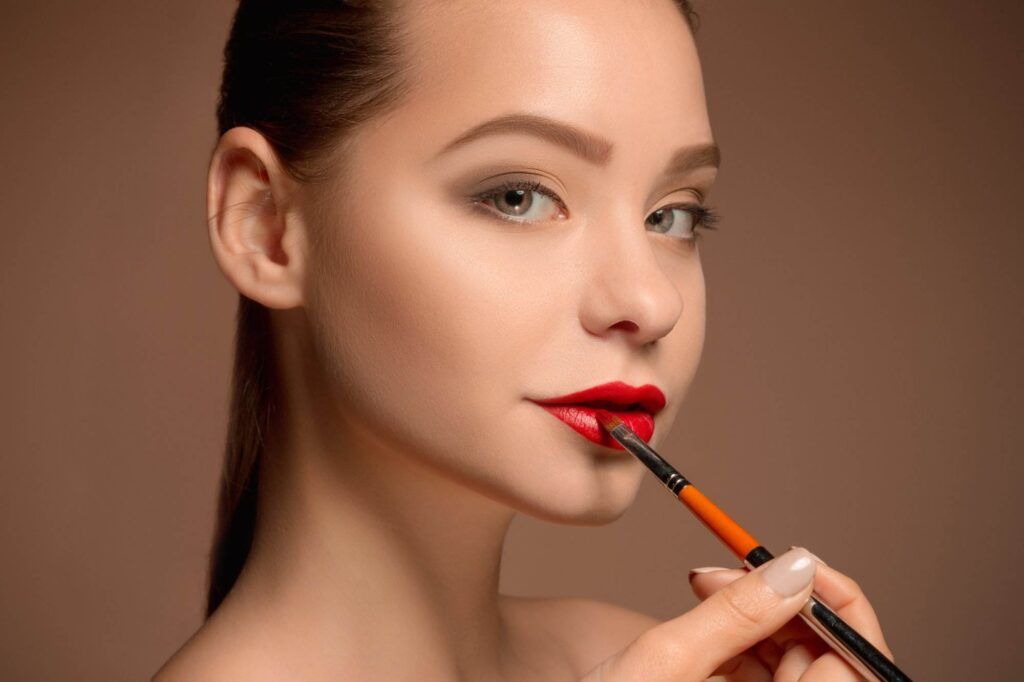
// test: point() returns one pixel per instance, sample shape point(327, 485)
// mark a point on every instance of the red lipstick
point(635, 406)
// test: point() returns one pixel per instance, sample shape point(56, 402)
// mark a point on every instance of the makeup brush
point(847, 642)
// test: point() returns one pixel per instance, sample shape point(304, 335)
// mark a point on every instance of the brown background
point(864, 337)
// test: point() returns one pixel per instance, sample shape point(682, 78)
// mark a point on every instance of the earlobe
point(257, 243)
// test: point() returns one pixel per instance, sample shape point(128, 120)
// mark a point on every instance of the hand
point(796, 652)
point(745, 629)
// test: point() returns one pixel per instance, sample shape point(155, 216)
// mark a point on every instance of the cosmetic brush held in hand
point(847, 642)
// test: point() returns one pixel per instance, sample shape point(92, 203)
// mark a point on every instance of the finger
point(844, 596)
point(744, 668)
point(837, 590)
point(829, 667)
point(798, 658)
point(707, 581)
point(728, 622)
point(769, 653)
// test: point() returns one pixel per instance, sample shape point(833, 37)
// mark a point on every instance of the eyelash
point(705, 217)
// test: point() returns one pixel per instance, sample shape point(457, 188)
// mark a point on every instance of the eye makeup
point(700, 217)
point(521, 188)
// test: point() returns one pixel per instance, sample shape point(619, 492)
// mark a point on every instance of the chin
point(593, 497)
point(599, 513)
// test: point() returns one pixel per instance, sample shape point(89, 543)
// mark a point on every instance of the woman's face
point(444, 301)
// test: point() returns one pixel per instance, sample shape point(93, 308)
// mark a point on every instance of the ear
point(258, 243)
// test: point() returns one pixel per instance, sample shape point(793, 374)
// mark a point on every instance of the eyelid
point(695, 191)
point(704, 216)
point(525, 174)
point(516, 183)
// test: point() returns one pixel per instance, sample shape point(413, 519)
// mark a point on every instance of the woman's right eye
point(515, 200)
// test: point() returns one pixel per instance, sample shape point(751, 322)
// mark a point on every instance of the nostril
point(626, 325)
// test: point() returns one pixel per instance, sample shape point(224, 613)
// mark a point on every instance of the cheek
point(688, 335)
point(684, 345)
point(423, 310)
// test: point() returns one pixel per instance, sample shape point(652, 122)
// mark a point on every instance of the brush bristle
point(608, 420)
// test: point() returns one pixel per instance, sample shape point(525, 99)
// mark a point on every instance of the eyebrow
point(591, 148)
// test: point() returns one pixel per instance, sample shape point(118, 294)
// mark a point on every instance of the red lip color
point(636, 406)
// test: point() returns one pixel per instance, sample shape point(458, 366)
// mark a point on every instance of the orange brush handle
point(730, 532)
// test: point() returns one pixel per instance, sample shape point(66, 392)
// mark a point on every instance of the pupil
point(660, 220)
point(515, 201)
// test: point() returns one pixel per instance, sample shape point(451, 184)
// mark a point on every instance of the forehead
point(623, 68)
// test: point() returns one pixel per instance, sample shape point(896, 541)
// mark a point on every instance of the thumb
point(733, 619)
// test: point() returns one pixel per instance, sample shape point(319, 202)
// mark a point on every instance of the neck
point(364, 556)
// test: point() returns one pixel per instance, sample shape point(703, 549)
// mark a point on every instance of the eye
point(527, 201)
point(681, 221)
point(522, 201)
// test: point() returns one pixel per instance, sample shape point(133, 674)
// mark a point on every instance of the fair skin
point(412, 330)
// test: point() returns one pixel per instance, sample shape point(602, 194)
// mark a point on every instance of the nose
point(627, 291)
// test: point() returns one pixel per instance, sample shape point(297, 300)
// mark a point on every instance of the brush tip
point(606, 419)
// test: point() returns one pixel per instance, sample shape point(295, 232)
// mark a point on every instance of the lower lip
point(583, 419)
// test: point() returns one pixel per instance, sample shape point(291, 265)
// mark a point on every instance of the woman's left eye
point(682, 221)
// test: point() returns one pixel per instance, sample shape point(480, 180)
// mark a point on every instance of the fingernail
point(705, 569)
point(791, 572)
point(813, 555)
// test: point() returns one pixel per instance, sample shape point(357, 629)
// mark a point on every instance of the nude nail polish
point(813, 555)
point(705, 569)
point(790, 573)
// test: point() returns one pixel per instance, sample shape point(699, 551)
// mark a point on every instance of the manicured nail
point(790, 573)
point(813, 555)
point(705, 569)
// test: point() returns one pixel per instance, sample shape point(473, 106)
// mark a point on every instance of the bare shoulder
point(198, 660)
point(193, 660)
point(221, 650)
point(586, 630)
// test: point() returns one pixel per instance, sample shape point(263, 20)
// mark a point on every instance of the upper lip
point(614, 395)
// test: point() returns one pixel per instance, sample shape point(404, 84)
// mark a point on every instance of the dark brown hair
point(305, 74)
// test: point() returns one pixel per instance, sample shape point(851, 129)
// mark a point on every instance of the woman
point(438, 215)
